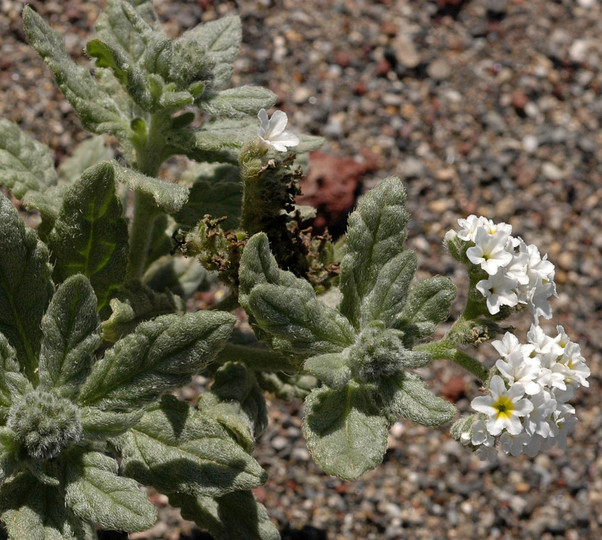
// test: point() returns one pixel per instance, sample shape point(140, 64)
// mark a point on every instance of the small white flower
point(518, 368)
point(504, 407)
point(499, 291)
point(272, 131)
point(490, 251)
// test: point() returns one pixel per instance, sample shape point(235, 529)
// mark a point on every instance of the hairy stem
point(257, 358)
point(446, 349)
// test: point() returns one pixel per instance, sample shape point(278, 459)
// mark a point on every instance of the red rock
point(383, 67)
point(331, 186)
point(343, 58)
point(519, 100)
point(454, 389)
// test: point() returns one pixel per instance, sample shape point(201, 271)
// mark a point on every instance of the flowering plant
point(95, 339)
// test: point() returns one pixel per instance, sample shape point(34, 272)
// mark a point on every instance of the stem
point(256, 358)
point(446, 349)
point(150, 154)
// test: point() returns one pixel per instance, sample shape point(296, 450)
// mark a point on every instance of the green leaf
point(237, 403)
point(86, 154)
point(177, 449)
point(90, 235)
point(70, 330)
point(30, 511)
point(427, 305)
point(167, 196)
point(220, 140)
point(406, 395)
point(12, 382)
point(180, 275)
point(218, 195)
point(230, 517)
point(345, 432)
point(160, 355)
point(239, 102)
point(101, 425)
point(96, 109)
point(49, 204)
point(285, 386)
point(25, 164)
point(375, 236)
point(218, 40)
point(286, 306)
point(25, 287)
point(134, 304)
point(386, 300)
point(95, 493)
point(308, 143)
point(333, 369)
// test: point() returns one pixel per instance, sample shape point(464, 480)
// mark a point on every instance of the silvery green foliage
point(64, 404)
point(363, 351)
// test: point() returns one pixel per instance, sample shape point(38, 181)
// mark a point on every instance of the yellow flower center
point(504, 407)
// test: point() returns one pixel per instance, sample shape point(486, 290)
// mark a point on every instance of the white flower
point(489, 251)
point(518, 368)
point(499, 291)
point(272, 131)
point(504, 407)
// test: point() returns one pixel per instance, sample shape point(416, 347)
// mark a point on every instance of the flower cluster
point(517, 273)
point(527, 407)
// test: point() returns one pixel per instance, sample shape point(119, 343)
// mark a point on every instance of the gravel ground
point(482, 106)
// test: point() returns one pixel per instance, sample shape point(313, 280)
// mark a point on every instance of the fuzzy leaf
point(345, 433)
point(332, 369)
point(48, 203)
point(25, 164)
point(70, 330)
point(284, 386)
point(375, 236)
point(25, 287)
point(239, 102)
point(160, 355)
point(214, 141)
point(96, 109)
point(101, 425)
point(86, 154)
point(406, 395)
point(90, 236)
point(219, 41)
point(95, 493)
point(12, 382)
point(386, 300)
point(169, 197)
point(180, 275)
point(427, 305)
point(177, 449)
point(286, 306)
point(308, 143)
point(237, 403)
point(134, 304)
point(30, 511)
point(233, 516)
point(219, 195)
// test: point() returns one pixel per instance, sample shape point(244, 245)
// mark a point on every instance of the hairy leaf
point(96, 109)
point(167, 196)
point(308, 143)
point(214, 141)
point(345, 432)
point(95, 493)
point(86, 154)
point(180, 275)
point(101, 425)
point(134, 304)
point(239, 102)
point(160, 355)
point(374, 237)
point(12, 382)
point(219, 41)
point(90, 235)
point(25, 287)
point(427, 305)
point(406, 395)
point(70, 330)
point(177, 449)
point(30, 511)
point(285, 386)
point(218, 195)
point(333, 369)
point(25, 164)
point(233, 516)
point(386, 300)
point(286, 306)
